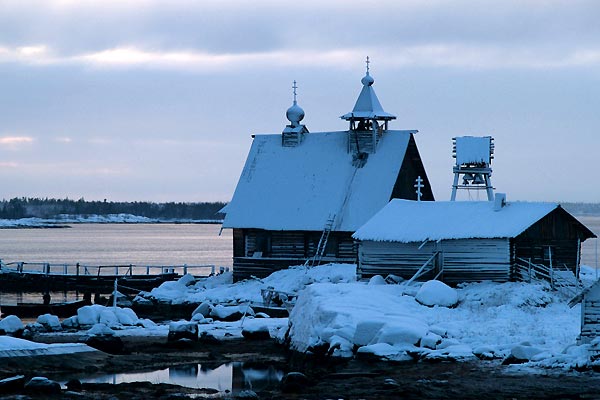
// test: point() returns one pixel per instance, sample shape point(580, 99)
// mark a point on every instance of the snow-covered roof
point(368, 105)
point(411, 221)
point(297, 188)
point(473, 149)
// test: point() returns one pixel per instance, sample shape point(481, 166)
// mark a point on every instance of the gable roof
point(411, 221)
point(298, 188)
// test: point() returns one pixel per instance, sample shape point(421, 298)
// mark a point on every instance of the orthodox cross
point(419, 185)
point(368, 62)
point(294, 87)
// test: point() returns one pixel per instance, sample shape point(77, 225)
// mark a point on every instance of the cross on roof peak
point(368, 62)
point(294, 86)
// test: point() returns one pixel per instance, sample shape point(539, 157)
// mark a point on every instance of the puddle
point(232, 377)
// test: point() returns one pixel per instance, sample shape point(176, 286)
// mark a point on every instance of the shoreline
point(326, 377)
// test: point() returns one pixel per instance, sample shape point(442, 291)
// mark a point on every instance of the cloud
point(14, 141)
point(429, 55)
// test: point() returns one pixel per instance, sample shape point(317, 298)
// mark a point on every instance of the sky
point(147, 100)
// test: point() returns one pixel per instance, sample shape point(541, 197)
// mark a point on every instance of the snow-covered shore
point(95, 219)
point(516, 322)
point(526, 322)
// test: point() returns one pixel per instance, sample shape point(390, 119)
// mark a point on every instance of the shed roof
point(411, 221)
point(297, 188)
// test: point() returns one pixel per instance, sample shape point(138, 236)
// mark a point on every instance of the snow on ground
point(491, 321)
point(334, 313)
point(14, 347)
point(219, 289)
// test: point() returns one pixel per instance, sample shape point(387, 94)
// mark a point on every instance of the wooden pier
point(24, 276)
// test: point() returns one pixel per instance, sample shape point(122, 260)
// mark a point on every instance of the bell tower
point(368, 121)
point(473, 162)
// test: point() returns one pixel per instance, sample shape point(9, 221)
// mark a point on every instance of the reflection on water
point(232, 377)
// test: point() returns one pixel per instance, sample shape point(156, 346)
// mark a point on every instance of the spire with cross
point(294, 86)
point(368, 62)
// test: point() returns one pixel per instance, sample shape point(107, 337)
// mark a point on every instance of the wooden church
point(301, 194)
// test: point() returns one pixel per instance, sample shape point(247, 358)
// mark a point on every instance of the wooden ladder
point(320, 251)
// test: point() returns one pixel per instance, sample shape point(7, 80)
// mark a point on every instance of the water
point(232, 377)
point(111, 244)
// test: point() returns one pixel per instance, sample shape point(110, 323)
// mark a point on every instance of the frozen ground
point(524, 322)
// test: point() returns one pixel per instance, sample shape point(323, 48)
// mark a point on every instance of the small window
point(263, 243)
point(548, 254)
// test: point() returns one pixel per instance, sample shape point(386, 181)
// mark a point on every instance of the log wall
point(463, 260)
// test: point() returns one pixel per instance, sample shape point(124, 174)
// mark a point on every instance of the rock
point(207, 338)
point(430, 340)
point(230, 313)
point(12, 384)
point(71, 323)
point(187, 280)
point(50, 322)
point(260, 333)
point(100, 330)
point(203, 309)
point(394, 279)
point(74, 384)
point(436, 293)
point(524, 352)
point(183, 330)
point(377, 280)
point(107, 343)
point(390, 383)
point(247, 394)
point(11, 325)
point(41, 385)
point(294, 382)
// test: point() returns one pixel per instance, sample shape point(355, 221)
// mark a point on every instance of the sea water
point(114, 244)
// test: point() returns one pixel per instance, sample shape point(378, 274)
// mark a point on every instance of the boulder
point(437, 293)
point(230, 313)
point(74, 385)
point(183, 330)
point(11, 325)
point(42, 385)
point(247, 394)
point(50, 322)
point(294, 382)
point(12, 384)
point(377, 280)
point(259, 333)
point(108, 344)
point(203, 309)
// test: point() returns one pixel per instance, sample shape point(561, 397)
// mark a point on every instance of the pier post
point(184, 269)
point(77, 269)
point(147, 270)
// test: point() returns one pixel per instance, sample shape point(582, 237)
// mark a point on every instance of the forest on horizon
point(27, 207)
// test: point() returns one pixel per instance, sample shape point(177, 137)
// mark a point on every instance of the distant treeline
point(582, 208)
point(49, 208)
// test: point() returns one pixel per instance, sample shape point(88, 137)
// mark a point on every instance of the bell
point(467, 178)
point(478, 180)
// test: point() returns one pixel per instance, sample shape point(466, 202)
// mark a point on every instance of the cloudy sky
point(156, 100)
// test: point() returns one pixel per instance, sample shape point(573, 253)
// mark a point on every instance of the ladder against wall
point(320, 251)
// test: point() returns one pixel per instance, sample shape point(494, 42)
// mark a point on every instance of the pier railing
point(78, 269)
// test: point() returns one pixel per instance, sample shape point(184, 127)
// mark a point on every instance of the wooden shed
point(471, 241)
point(299, 189)
point(590, 312)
